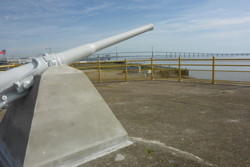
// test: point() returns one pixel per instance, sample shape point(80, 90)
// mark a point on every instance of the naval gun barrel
point(16, 82)
point(80, 52)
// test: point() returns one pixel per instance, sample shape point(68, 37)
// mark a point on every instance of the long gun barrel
point(15, 83)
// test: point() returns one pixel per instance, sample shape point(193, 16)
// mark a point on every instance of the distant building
point(23, 60)
point(3, 61)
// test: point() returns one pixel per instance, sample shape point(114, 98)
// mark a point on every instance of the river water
point(192, 63)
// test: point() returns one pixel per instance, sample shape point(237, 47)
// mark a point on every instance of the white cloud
point(227, 22)
point(97, 8)
point(48, 1)
point(186, 24)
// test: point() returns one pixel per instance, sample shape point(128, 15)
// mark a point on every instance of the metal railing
point(173, 69)
point(212, 70)
point(7, 67)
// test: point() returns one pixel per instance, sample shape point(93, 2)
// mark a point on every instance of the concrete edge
point(79, 157)
point(104, 152)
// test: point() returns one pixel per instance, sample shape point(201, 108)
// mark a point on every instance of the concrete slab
point(71, 123)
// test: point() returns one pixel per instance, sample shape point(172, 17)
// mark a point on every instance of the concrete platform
point(68, 123)
point(179, 124)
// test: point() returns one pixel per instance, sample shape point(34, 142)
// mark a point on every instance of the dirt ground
point(179, 124)
point(176, 124)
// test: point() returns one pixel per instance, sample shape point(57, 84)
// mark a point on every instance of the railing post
point(126, 70)
point(116, 54)
point(213, 68)
point(99, 71)
point(152, 69)
point(179, 69)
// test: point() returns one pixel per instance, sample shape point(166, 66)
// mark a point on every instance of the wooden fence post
point(152, 69)
point(99, 71)
point(213, 68)
point(179, 69)
point(126, 70)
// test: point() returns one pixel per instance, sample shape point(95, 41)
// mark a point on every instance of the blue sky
point(28, 27)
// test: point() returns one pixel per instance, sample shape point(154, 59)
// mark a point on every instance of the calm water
point(231, 76)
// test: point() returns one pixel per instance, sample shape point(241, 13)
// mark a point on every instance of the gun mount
point(16, 82)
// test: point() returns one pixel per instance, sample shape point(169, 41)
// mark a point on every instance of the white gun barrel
point(80, 52)
point(15, 83)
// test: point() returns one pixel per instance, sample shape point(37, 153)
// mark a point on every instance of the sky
point(31, 27)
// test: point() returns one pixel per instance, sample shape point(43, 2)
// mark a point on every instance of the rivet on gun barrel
point(15, 83)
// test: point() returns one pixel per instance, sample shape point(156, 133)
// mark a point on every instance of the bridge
point(127, 55)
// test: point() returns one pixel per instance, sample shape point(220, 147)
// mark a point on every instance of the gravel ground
point(176, 124)
point(179, 124)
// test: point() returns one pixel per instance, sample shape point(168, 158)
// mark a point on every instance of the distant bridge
point(123, 55)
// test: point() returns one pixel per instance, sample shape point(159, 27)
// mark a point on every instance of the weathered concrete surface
point(177, 124)
point(71, 122)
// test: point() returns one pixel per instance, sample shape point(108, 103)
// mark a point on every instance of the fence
point(211, 70)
